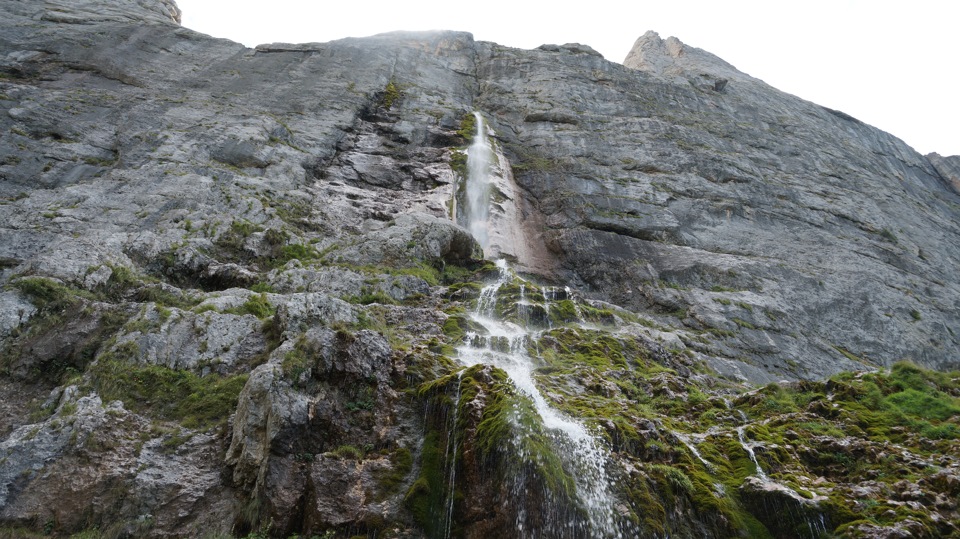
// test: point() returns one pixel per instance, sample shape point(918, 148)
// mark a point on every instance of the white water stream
point(480, 158)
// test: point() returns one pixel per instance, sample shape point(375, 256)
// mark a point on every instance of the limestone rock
point(267, 405)
point(948, 168)
point(418, 237)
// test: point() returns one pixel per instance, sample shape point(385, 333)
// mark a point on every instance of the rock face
point(233, 284)
point(818, 241)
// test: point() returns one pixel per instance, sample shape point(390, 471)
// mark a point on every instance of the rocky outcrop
point(948, 168)
point(234, 284)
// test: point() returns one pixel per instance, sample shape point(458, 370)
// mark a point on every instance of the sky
point(891, 64)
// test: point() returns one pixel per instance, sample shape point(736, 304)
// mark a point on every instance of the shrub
point(257, 305)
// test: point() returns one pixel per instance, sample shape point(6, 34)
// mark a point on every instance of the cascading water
point(479, 160)
point(504, 344)
point(749, 449)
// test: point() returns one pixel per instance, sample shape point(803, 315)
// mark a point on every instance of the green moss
point(401, 461)
point(506, 412)
point(294, 251)
point(904, 375)
point(744, 323)
point(575, 348)
point(458, 162)
point(453, 327)
point(563, 312)
point(677, 482)
point(453, 274)
point(233, 238)
point(370, 297)
point(262, 288)
point(57, 305)
point(297, 361)
point(776, 400)
point(163, 393)
point(347, 452)
point(929, 405)
point(465, 291)
point(422, 270)
point(257, 305)
point(468, 126)
point(426, 497)
point(46, 294)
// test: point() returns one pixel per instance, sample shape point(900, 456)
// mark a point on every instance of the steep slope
point(234, 288)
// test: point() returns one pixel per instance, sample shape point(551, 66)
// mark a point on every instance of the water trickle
point(576, 307)
point(547, 297)
point(451, 458)
point(749, 449)
point(685, 440)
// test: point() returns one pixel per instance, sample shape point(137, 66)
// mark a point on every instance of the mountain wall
point(234, 283)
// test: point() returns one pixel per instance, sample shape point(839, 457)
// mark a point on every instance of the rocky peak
point(948, 168)
point(671, 58)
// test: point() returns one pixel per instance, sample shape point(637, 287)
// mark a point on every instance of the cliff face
point(690, 188)
point(234, 278)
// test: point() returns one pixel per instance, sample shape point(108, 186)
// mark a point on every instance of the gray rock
point(267, 405)
point(362, 356)
point(15, 311)
point(27, 449)
point(414, 237)
point(948, 168)
point(205, 342)
point(303, 310)
point(695, 194)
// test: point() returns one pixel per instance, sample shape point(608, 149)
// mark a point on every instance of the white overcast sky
point(891, 64)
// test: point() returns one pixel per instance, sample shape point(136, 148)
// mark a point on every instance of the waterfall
point(480, 158)
point(489, 204)
point(504, 344)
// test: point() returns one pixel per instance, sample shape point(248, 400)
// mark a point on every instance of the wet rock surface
point(234, 284)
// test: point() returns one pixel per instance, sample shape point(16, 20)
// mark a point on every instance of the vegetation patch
point(391, 95)
point(468, 127)
point(258, 305)
point(163, 393)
